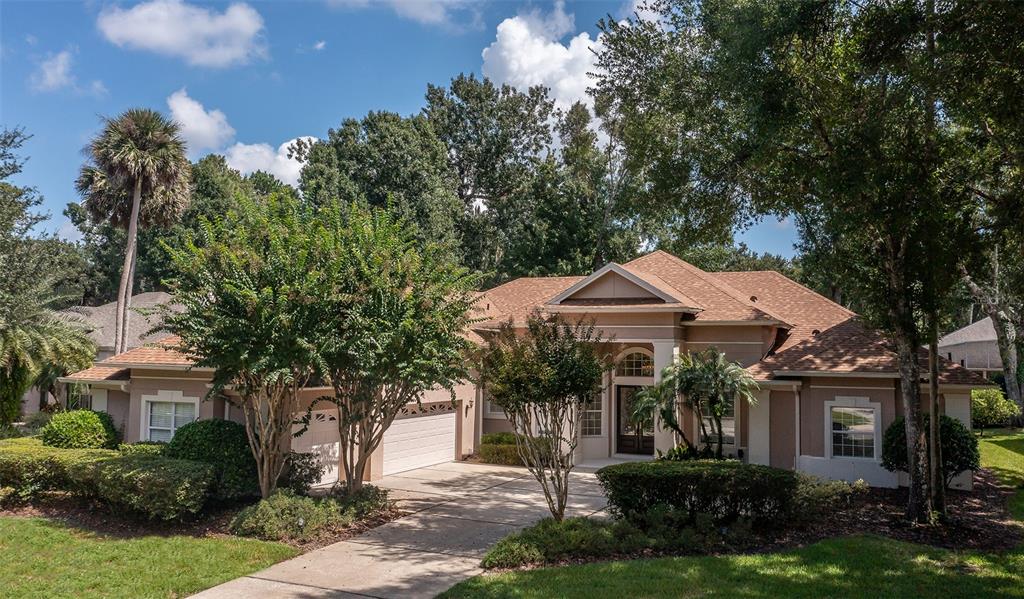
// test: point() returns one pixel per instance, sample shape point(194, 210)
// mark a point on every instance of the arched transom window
point(635, 363)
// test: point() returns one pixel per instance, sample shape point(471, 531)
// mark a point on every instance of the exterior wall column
point(958, 406)
point(758, 430)
point(665, 353)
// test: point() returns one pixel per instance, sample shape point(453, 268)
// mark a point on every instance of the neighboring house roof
point(981, 331)
point(102, 319)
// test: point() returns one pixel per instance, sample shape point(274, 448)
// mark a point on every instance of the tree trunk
point(1007, 338)
point(125, 288)
point(936, 480)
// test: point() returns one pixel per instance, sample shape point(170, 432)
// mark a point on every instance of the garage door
point(419, 441)
point(321, 438)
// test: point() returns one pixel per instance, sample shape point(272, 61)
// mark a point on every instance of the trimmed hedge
point(223, 445)
point(143, 448)
point(80, 429)
point(721, 490)
point(285, 516)
point(31, 468)
point(159, 487)
point(500, 448)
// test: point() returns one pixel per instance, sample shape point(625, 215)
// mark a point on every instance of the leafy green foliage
point(285, 516)
point(301, 472)
point(224, 445)
point(31, 468)
point(143, 448)
point(35, 281)
point(251, 292)
point(541, 377)
point(391, 318)
point(158, 487)
point(722, 490)
point(959, 447)
point(500, 448)
point(549, 541)
point(991, 407)
point(707, 383)
point(80, 429)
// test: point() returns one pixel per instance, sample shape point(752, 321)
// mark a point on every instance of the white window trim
point(163, 396)
point(632, 380)
point(491, 409)
point(601, 402)
point(853, 402)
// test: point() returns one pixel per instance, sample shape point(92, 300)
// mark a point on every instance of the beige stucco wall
point(816, 391)
point(782, 422)
point(118, 408)
point(743, 344)
point(611, 285)
point(189, 384)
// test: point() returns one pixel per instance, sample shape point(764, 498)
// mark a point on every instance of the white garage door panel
point(419, 441)
point(323, 439)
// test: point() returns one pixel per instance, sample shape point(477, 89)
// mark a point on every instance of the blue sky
point(245, 78)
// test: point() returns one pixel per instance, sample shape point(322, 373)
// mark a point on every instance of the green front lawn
point(847, 567)
point(43, 558)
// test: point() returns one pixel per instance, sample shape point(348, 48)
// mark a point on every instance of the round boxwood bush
point(222, 444)
point(80, 429)
point(285, 516)
point(959, 447)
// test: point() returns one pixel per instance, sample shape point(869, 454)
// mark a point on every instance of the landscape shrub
point(37, 421)
point(301, 472)
point(9, 431)
point(142, 447)
point(500, 448)
point(285, 516)
point(722, 490)
point(224, 445)
point(816, 497)
point(80, 429)
point(365, 501)
point(158, 487)
point(991, 407)
point(31, 468)
point(959, 447)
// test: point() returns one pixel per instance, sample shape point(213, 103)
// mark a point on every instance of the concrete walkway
point(457, 511)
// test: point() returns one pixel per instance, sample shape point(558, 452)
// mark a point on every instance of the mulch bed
point(976, 520)
point(99, 520)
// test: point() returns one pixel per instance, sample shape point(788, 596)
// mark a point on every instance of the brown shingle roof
point(100, 320)
point(719, 299)
point(160, 353)
point(97, 374)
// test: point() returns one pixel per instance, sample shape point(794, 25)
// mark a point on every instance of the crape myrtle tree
point(705, 382)
point(393, 325)
point(542, 377)
point(37, 343)
point(823, 109)
point(251, 301)
point(136, 175)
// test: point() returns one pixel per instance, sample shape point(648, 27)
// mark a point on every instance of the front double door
point(630, 437)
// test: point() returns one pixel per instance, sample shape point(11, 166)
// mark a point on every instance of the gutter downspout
point(796, 458)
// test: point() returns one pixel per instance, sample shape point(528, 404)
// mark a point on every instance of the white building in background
point(974, 347)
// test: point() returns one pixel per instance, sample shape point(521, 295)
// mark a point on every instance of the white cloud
point(69, 232)
point(54, 73)
point(248, 158)
point(427, 12)
point(320, 45)
point(201, 36)
point(528, 51)
point(202, 129)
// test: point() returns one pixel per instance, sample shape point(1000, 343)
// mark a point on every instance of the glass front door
point(632, 438)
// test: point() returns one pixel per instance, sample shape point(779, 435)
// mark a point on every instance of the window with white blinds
point(166, 417)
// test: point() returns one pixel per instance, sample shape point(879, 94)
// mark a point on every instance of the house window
point(166, 417)
point(728, 426)
point(853, 432)
point(635, 364)
point(592, 417)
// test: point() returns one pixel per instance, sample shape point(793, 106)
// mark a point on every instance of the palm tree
point(35, 339)
point(136, 174)
point(707, 383)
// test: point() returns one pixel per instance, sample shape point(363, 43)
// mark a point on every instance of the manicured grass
point(42, 558)
point(1002, 452)
point(848, 567)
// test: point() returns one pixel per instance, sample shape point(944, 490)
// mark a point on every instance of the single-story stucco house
point(828, 384)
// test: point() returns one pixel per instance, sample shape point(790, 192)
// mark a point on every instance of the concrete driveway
point(457, 511)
